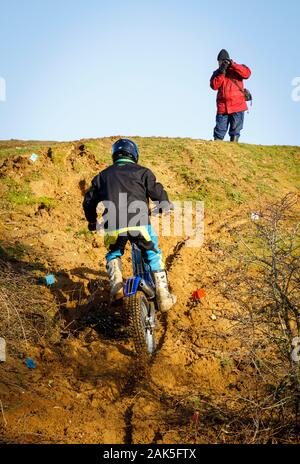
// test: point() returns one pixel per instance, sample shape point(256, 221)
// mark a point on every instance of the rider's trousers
point(144, 237)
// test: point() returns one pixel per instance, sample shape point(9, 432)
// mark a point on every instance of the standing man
point(231, 101)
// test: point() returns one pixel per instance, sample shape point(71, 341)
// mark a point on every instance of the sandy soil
point(88, 386)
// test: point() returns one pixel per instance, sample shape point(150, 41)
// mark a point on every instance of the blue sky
point(93, 68)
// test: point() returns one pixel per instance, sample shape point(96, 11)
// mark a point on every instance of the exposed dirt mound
point(88, 386)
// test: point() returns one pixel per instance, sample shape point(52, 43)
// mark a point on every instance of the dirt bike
point(140, 302)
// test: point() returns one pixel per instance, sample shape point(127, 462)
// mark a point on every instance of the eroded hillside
point(88, 386)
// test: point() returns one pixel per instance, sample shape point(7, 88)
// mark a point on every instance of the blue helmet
point(125, 148)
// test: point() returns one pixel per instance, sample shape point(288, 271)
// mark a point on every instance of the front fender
point(132, 286)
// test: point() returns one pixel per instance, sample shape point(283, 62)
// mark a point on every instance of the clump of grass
point(225, 362)
point(264, 188)
point(21, 195)
point(46, 202)
point(235, 195)
point(18, 194)
point(16, 251)
point(84, 233)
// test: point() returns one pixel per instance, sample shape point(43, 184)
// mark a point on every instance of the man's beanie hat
point(223, 55)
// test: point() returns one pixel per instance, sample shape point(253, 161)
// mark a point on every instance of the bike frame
point(142, 279)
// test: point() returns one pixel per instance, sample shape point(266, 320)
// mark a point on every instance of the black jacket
point(136, 183)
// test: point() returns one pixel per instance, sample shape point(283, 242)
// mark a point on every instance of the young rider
point(124, 188)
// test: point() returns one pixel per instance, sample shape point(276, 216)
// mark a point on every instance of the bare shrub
point(263, 286)
point(26, 315)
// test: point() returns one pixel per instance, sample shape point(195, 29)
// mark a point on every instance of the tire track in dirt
point(141, 391)
point(97, 382)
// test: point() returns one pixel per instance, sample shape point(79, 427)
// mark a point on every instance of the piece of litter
point(199, 294)
point(213, 317)
point(255, 216)
point(30, 363)
point(34, 157)
point(2, 350)
point(50, 279)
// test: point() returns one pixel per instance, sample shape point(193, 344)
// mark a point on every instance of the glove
point(92, 226)
point(224, 66)
point(167, 210)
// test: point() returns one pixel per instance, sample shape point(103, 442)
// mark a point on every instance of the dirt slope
point(88, 386)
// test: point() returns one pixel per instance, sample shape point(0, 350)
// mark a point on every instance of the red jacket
point(230, 99)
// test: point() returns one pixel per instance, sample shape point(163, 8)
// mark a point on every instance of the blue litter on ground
point(34, 157)
point(50, 279)
point(30, 363)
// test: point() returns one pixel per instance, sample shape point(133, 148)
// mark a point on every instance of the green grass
point(101, 150)
point(35, 175)
point(222, 175)
point(20, 194)
point(48, 202)
point(225, 362)
point(9, 152)
point(235, 195)
point(58, 158)
point(19, 149)
point(16, 251)
point(84, 233)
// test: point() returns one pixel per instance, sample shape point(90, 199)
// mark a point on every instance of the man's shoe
point(234, 138)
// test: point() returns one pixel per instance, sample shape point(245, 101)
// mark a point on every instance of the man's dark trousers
point(234, 121)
